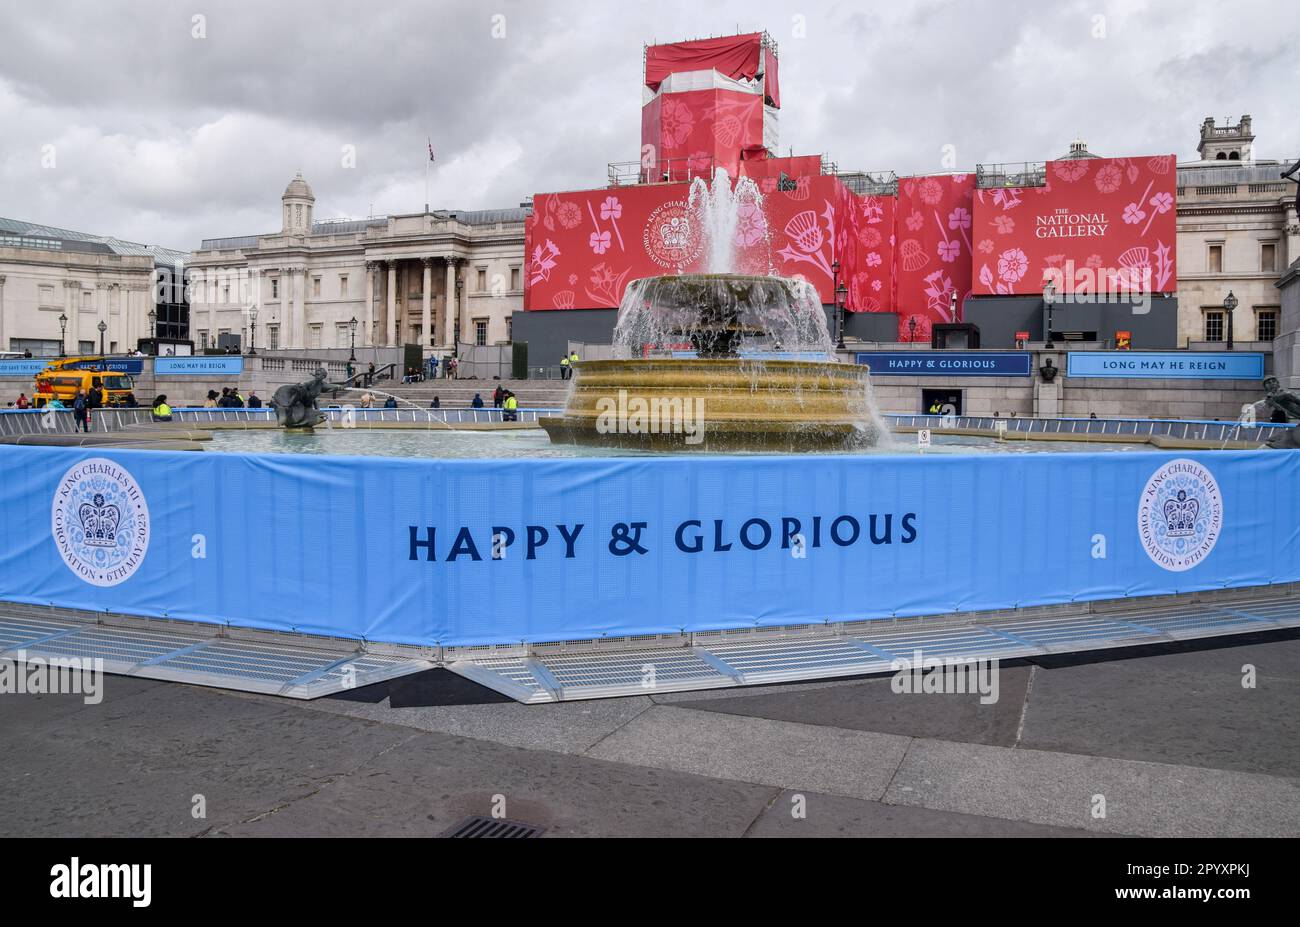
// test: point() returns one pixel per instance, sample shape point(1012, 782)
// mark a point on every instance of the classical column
point(448, 305)
point(426, 309)
point(368, 315)
point(1292, 229)
point(286, 280)
point(300, 307)
point(462, 311)
point(4, 345)
point(391, 305)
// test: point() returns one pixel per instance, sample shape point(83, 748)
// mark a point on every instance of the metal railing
point(661, 170)
point(1095, 427)
point(1025, 174)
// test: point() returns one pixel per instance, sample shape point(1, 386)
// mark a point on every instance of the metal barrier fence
point(40, 421)
point(1119, 428)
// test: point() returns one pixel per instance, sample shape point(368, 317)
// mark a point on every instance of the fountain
point(720, 360)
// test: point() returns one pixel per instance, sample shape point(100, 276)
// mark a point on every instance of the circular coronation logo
point(100, 522)
point(1180, 515)
point(672, 236)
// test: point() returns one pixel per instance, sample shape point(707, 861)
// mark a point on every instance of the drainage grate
point(481, 826)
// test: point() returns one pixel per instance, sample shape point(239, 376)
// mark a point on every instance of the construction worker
point(573, 362)
point(511, 413)
point(564, 366)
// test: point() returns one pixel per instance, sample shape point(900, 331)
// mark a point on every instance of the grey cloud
point(167, 139)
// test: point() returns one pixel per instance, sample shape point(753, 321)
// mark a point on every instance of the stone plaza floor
point(1167, 734)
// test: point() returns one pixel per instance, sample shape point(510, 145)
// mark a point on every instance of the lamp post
point(252, 331)
point(103, 327)
point(1229, 304)
point(1049, 299)
point(841, 299)
point(835, 294)
point(153, 329)
point(352, 332)
point(911, 329)
point(63, 333)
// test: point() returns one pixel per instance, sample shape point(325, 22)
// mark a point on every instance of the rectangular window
point(1215, 261)
point(343, 286)
point(314, 334)
point(275, 287)
point(1214, 326)
point(203, 337)
point(514, 279)
point(315, 287)
point(482, 279)
point(510, 329)
point(342, 335)
point(1265, 324)
point(273, 337)
point(86, 347)
point(87, 301)
point(1268, 257)
point(480, 332)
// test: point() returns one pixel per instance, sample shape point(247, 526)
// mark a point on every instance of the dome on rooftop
point(299, 188)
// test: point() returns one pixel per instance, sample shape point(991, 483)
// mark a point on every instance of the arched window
point(1234, 156)
point(1221, 157)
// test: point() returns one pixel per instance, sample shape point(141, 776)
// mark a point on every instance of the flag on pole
point(430, 149)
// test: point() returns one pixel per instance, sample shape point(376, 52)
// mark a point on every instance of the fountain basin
point(716, 404)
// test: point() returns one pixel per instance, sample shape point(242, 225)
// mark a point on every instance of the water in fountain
point(766, 369)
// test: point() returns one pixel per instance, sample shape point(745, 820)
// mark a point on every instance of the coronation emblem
point(100, 522)
point(1180, 515)
point(672, 236)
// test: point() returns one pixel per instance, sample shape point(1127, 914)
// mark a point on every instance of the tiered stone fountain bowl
point(752, 400)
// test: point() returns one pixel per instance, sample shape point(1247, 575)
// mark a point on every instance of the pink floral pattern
point(1108, 178)
point(1012, 265)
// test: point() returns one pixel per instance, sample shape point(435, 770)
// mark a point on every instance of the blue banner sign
point(22, 368)
point(199, 366)
point(947, 363)
point(496, 551)
point(132, 366)
point(1193, 365)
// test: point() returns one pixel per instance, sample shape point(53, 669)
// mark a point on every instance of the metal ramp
point(290, 665)
point(721, 659)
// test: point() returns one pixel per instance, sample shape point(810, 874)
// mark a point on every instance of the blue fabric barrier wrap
point(403, 550)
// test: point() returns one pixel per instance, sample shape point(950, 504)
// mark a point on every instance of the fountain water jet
point(750, 357)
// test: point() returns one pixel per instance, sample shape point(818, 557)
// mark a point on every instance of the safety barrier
point(1126, 428)
point(500, 551)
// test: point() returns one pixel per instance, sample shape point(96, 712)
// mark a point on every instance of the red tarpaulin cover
point(698, 129)
point(771, 86)
point(734, 56)
point(1104, 224)
point(933, 256)
point(584, 247)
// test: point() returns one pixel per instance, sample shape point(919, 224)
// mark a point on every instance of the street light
point(841, 300)
point(252, 331)
point(1049, 299)
point(63, 333)
point(911, 329)
point(352, 332)
point(1229, 304)
point(103, 327)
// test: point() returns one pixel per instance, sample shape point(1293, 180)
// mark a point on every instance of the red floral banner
point(735, 56)
point(1100, 225)
point(933, 252)
point(583, 247)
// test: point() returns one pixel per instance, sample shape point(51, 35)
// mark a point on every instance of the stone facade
point(47, 273)
point(1237, 232)
point(427, 278)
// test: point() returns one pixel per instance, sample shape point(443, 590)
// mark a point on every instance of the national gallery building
point(433, 279)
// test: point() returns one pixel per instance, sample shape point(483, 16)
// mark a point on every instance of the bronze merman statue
point(295, 403)
point(1294, 174)
point(1286, 408)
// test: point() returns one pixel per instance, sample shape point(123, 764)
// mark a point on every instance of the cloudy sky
point(138, 120)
